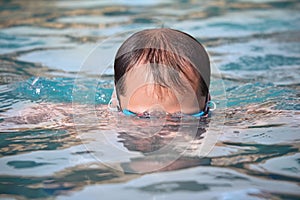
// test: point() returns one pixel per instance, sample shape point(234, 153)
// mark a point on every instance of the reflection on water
point(52, 145)
point(98, 162)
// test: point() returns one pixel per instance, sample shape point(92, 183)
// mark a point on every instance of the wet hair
point(178, 53)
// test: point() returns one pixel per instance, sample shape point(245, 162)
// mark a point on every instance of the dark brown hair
point(171, 48)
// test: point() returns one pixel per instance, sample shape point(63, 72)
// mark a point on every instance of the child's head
point(162, 69)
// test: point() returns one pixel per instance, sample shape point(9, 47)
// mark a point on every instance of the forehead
point(166, 76)
point(143, 92)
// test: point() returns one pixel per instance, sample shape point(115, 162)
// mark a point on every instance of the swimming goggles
point(209, 105)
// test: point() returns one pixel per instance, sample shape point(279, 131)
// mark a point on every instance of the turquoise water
point(58, 139)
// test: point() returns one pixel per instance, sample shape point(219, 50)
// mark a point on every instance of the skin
point(142, 94)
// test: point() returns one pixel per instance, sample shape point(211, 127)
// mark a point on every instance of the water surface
point(58, 140)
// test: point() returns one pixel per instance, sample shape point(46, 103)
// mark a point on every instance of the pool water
point(59, 140)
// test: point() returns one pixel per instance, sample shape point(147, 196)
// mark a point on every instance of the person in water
point(161, 71)
point(155, 70)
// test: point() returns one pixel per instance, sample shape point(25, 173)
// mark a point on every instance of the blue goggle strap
point(128, 112)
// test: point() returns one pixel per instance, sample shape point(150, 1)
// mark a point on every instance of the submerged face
point(143, 94)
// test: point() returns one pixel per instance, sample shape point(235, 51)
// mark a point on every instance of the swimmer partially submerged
point(161, 71)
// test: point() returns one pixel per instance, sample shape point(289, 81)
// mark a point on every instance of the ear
point(113, 104)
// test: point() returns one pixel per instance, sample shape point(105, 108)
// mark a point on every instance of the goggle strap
point(198, 114)
point(128, 112)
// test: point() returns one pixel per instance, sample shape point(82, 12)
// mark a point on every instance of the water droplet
point(38, 90)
